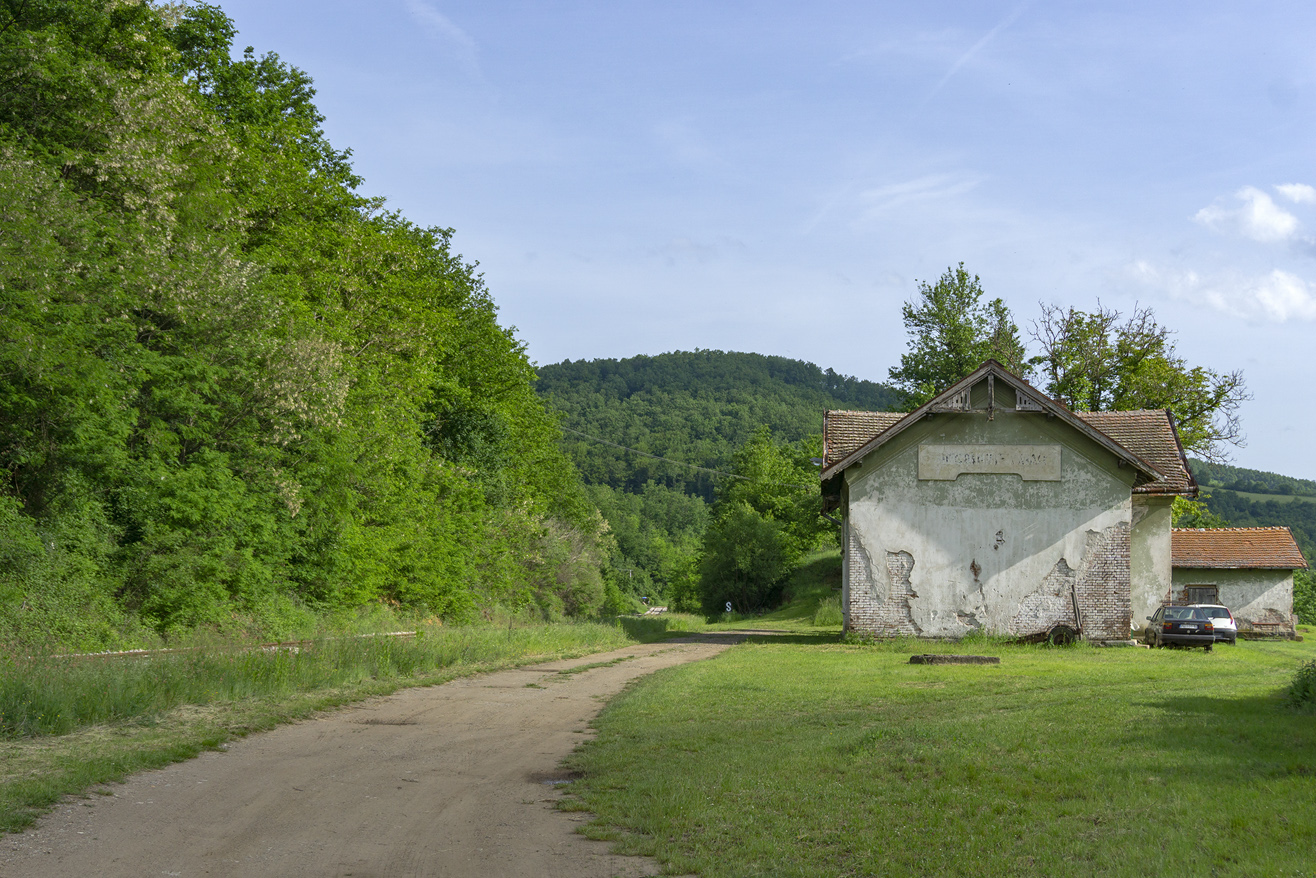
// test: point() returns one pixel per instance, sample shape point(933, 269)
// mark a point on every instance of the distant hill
point(691, 406)
point(1236, 478)
point(1254, 498)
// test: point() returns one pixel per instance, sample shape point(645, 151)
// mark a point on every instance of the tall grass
point(69, 724)
point(55, 695)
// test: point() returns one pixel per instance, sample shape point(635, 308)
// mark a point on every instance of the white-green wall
point(1150, 558)
point(940, 558)
point(1261, 600)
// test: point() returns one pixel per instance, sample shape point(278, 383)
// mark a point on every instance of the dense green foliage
point(952, 331)
point(233, 390)
point(1304, 596)
point(764, 521)
point(1097, 361)
point(1237, 478)
point(695, 409)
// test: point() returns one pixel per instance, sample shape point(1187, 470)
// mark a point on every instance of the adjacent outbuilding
point(1247, 569)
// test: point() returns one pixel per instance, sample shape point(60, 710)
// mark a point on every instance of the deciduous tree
point(1102, 361)
point(952, 331)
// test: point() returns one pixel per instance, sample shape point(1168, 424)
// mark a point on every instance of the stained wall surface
point(941, 557)
point(1261, 600)
point(1151, 556)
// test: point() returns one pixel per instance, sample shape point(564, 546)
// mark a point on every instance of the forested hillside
point(696, 409)
point(1253, 498)
point(234, 391)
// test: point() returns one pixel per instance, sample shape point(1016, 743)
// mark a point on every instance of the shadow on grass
point(1250, 737)
point(753, 636)
point(649, 628)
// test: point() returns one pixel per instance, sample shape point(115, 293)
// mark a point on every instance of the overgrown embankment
point(69, 723)
point(236, 392)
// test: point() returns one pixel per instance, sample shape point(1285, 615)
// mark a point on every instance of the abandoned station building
point(995, 507)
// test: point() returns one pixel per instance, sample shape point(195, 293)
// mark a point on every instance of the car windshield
point(1217, 613)
point(1183, 614)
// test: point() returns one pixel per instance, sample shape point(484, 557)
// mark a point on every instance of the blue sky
point(640, 177)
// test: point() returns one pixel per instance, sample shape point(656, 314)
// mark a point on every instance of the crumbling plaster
point(986, 550)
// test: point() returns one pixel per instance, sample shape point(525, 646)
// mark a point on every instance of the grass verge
point(844, 759)
point(68, 725)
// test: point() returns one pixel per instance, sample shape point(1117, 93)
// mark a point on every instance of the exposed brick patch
point(880, 607)
point(1052, 604)
point(1103, 585)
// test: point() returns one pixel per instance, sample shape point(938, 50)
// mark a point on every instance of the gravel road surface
point(455, 780)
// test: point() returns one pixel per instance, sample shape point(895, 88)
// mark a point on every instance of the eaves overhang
point(1038, 402)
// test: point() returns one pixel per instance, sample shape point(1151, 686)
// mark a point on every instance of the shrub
point(1302, 691)
point(1304, 596)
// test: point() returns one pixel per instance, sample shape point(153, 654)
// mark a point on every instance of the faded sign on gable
point(1033, 463)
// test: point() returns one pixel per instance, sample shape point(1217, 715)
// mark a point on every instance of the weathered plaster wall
point(1261, 600)
point(988, 550)
point(1150, 567)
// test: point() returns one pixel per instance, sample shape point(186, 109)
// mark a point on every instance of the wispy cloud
point(459, 43)
point(883, 199)
point(1257, 217)
point(1277, 297)
point(975, 49)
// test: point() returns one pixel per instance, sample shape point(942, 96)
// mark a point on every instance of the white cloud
point(1258, 218)
point(1282, 296)
point(1276, 297)
point(1298, 193)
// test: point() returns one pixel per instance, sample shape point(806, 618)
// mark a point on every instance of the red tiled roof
point(1269, 548)
point(1150, 435)
point(1147, 434)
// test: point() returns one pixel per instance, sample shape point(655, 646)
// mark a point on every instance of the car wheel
point(1208, 647)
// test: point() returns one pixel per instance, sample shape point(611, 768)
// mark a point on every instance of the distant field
point(818, 758)
point(1261, 498)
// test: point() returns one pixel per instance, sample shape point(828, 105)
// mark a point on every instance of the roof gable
point(1266, 548)
point(1146, 440)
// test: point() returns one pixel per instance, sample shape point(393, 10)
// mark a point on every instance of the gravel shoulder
point(453, 780)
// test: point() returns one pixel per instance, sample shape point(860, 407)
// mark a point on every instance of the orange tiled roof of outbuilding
point(1267, 548)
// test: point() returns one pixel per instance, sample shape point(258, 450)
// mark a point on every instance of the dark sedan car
point(1184, 626)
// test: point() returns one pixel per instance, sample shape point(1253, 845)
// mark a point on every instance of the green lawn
point(818, 758)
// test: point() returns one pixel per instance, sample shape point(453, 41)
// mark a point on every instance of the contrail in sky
point(963, 59)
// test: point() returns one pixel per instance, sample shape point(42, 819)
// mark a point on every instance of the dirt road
point(455, 780)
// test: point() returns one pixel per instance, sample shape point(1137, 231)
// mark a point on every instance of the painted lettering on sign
point(1032, 463)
